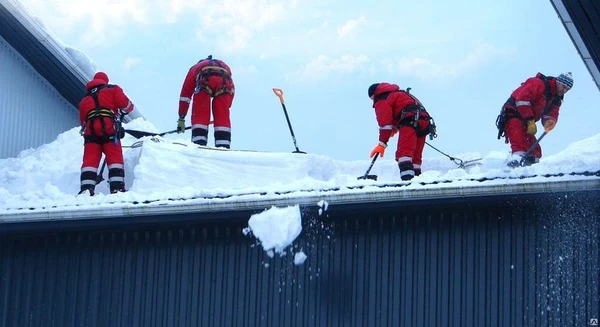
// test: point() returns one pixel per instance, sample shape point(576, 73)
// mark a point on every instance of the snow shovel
point(140, 134)
point(531, 148)
point(463, 164)
point(99, 177)
point(366, 175)
point(279, 94)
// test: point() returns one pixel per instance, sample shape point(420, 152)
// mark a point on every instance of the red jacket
point(110, 97)
point(393, 106)
point(536, 99)
point(195, 73)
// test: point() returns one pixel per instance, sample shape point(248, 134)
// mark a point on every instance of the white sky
point(461, 58)
point(174, 168)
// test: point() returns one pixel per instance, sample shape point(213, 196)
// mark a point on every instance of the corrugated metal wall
point(513, 262)
point(33, 112)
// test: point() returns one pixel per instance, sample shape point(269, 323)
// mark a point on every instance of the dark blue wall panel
point(513, 261)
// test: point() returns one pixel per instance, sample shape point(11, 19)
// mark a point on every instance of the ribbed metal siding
point(33, 112)
point(520, 262)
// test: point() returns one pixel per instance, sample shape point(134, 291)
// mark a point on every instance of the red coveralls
point(535, 99)
point(98, 117)
point(209, 79)
point(398, 109)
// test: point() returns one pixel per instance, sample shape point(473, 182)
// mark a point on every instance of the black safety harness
point(509, 109)
point(413, 121)
point(101, 113)
point(214, 68)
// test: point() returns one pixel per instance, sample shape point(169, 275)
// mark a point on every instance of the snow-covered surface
point(171, 172)
point(47, 178)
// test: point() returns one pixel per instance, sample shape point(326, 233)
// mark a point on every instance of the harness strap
point(99, 112)
point(551, 101)
point(414, 121)
point(103, 112)
point(214, 68)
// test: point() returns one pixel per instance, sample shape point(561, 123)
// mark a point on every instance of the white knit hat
point(565, 79)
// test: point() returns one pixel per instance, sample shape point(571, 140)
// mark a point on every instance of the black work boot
point(89, 189)
point(117, 187)
point(407, 170)
point(529, 160)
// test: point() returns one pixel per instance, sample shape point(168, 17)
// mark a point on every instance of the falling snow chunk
point(323, 205)
point(299, 258)
point(276, 228)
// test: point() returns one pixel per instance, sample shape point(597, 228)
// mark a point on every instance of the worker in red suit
point(100, 114)
point(398, 111)
point(208, 81)
point(538, 98)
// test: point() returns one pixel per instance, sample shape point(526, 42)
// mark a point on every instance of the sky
point(461, 59)
point(160, 169)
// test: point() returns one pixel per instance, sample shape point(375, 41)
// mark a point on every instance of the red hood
point(386, 87)
point(93, 83)
point(552, 81)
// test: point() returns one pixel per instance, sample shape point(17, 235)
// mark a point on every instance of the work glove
point(181, 125)
point(380, 148)
point(549, 125)
point(531, 128)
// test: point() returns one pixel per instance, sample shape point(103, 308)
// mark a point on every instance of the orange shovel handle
point(279, 94)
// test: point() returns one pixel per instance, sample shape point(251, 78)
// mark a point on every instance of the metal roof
point(581, 19)
point(47, 56)
point(203, 209)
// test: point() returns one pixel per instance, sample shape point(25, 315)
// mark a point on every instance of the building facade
point(41, 84)
point(516, 258)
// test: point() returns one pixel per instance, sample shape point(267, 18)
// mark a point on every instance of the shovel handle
point(279, 93)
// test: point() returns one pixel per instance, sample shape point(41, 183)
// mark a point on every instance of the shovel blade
point(371, 177)
point(139, 134)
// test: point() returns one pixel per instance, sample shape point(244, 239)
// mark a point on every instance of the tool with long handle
point(279, 94)
point(366, 175)
point(140, 134)
point(99, 177)
point(531, 148)
point(459, 162)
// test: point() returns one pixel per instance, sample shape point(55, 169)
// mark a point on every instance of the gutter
point(371, 197)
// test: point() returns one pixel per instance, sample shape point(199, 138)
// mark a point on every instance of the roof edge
point(373, 197)
point(576, 38)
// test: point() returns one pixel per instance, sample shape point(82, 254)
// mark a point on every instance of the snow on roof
point(79, 64)
point(171, 175)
